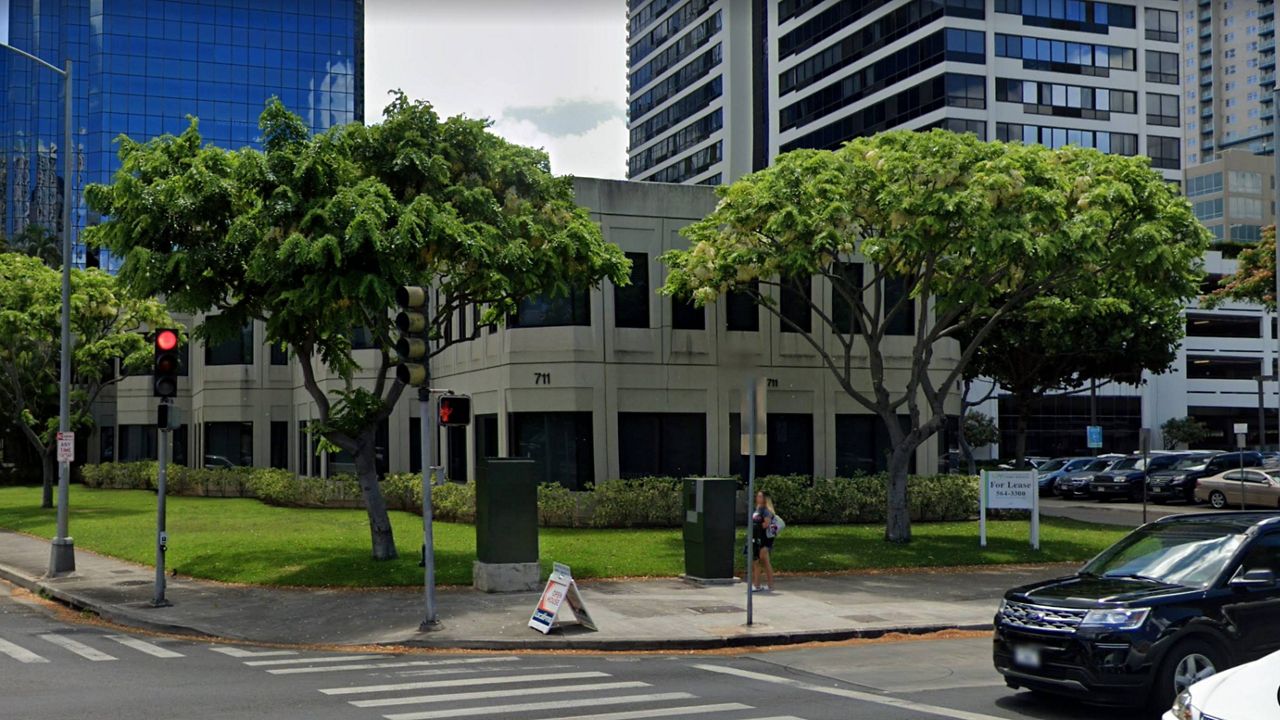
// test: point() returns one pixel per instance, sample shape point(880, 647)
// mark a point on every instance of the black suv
point(1179, 481)
point(1126, 477)
point(1169, 604)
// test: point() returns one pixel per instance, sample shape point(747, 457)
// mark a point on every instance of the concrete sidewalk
point(663, 614)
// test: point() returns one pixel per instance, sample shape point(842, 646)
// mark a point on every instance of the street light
point(62, 556)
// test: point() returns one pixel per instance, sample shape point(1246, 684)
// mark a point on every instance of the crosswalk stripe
point(19, 653)
point(242, 653)
point(475, 670)
point(464, 682)
point(380, 666)
point(533, 707)
point(146, 647)
point(77, 647)
point(299, 661)
point(663, 712)
point(866, 697)
point(491, 694)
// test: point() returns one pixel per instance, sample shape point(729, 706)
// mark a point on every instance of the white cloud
point(484, 58)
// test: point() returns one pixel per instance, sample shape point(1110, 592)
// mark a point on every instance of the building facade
point(141, 67)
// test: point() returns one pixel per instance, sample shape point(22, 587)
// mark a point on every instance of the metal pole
point(62, 557)
point(1146, 461)
point(162, 538)
point(430, 621)
point(1093, 408)
point(1275, 154)
point(751, 491)
point(1262, 417)
point(1240, 450)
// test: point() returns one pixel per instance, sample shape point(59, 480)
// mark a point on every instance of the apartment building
point(1228, 74)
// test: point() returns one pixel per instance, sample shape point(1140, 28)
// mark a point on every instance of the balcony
point(1268, 45)
point(1207, 111)
point(1206, 129)
point(1206, 80)
point(1268, 80)
point(1267, 61)
point(1267, 29)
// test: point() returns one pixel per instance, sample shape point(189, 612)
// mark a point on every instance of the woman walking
point(762, 536)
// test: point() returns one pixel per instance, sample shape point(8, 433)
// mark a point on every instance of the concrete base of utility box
point(710, 581)
point(506, 577)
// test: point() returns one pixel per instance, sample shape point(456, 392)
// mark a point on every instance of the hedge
point(641, 502)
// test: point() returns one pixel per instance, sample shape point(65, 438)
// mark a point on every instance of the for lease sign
point(1011, 489)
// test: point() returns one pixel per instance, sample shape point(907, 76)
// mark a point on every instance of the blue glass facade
point(142, 66)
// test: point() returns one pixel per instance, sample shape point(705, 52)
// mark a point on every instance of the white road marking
point(146, 647)
point(242, 653)
point(380, 666)
point(852, 694)
point(532, 707)
point(77, 647)
point(662, 712)
point(463, 683)
point(20, 653)
point(300, 661)
point(476, 670)
point(491, 694)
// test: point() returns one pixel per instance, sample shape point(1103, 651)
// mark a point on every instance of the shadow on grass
point(324, 567)
point(22, 517)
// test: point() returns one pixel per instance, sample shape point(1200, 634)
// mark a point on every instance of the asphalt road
point(52, 668)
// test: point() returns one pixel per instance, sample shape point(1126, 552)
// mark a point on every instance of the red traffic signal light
point(166, 363)
point(454, 410)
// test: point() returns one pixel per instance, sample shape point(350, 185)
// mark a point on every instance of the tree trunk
point(966, 450)
point(384, 545)
point(1024, 420)
point(897, 528)
point(50, 471)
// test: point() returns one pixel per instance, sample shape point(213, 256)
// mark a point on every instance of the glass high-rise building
point(140, 67)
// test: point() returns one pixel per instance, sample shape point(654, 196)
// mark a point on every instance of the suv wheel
point(1189, 662)
point(1217, 500)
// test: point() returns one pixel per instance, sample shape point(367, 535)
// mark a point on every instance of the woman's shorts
point(755, 547)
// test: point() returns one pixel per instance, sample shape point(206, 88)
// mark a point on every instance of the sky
point(548, 73)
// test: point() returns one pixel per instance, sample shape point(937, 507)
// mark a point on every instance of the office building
point(140, 67)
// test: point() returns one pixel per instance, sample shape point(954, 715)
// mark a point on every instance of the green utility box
point(506, 511)
point(709, 528)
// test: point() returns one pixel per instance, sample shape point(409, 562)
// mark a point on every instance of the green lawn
point(245, 541)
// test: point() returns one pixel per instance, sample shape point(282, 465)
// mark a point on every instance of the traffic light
point(164, 372)
point(455, 410)
point(412, 345)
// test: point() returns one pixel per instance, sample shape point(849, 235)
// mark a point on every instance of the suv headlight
point(1182, 709)
point(1116, 618)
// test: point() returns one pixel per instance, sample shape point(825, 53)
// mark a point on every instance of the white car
point(1248, 692)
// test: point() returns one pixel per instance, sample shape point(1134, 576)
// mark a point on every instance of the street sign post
point(66, 447)
point(1010, 490)
point(1093, 433)
point(1144, 445)
point(1242, 432)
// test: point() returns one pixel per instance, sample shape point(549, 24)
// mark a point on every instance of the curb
point(122, 616)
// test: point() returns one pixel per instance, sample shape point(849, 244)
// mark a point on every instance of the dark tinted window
point(863, 446)
point(554, 311)
point(231, 351)
point(742, 314)
point(280, 444)
point(790, 451)
point(662, 444)
point(631, 302)
point(687, 316)
point(795, 306)
point(843, 315)
point(560, 443)
point(903, 323)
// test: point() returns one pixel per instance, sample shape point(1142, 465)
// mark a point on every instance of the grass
point(246, 541)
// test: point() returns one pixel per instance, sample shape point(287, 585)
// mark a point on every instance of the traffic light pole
point(427, 425)
point(162, 538)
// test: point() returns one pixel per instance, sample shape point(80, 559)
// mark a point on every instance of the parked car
point(1126, 478)
point(1170, 604)
point(218, 461)
point(1076, 484)
point(1049, 473)
point(1245, 691)
point(1179, 481)
point(1253, 486)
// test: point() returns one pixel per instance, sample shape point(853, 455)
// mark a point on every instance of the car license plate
point(1026, 656)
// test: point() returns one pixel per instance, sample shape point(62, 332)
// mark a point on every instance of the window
point(1246, 233)
point(554, 311)
point(279, 354)
point(1162, 25)
point(1208, 209)
point(456, 437)
point(795, 307)
point(180, 446)
point(1162, 109)
point(560, 443)
point(280, 444)
point(106, 444)
point(1073, 57)
point(662, 444)
point(362, 339)
point(1223, 326)
point(687, 316)
point(742, 314)
point(843, 315)
point(231, 351)
point(1219, 367)
point(790, 446)
point(415, 445)
point(1245, 208)
point(1264, 553)
point(486, 437)
point(1044, 98)
point(863, 446)
point(1245, 182)
point(1162, 67)
point(631, 302)
point(966, 91)
point(1165, 152)
point(1115, 143)
point(228, 444)
point(903, 323)
point(304, 449)
point(1204, 185)
point(137, 442)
